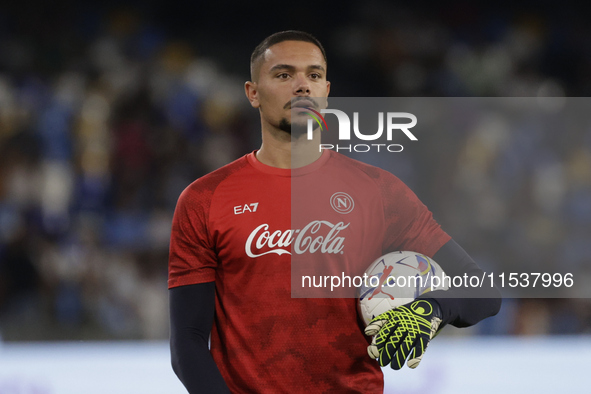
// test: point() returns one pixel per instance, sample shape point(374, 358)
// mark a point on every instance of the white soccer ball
point(396, 279)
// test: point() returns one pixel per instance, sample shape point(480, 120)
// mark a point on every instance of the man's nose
point(302, 86)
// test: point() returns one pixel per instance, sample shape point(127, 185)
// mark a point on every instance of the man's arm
point(405, 332)
point(191, 317)
point(464, 306)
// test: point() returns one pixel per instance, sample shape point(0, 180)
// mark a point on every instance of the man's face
point(289, 70)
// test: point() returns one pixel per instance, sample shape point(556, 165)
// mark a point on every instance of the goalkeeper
point(231, 254)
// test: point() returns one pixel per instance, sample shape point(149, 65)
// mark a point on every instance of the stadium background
point(108, 111)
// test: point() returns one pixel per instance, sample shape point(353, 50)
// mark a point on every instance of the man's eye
point(315, 76)
point(283, 75)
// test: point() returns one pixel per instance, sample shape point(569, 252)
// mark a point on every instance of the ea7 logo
point(238, 209)
point(345, 125)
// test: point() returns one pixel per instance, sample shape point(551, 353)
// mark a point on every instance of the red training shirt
point(257, 230)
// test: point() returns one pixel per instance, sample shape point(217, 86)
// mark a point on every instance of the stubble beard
point(295, 130)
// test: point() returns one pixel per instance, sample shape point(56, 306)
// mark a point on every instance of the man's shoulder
point(374, 173)
point(207, 184)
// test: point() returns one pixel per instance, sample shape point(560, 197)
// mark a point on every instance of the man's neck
point(281, 150)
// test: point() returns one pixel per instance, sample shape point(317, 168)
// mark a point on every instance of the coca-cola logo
point(308, 239)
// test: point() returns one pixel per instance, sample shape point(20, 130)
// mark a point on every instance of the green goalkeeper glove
point(403, 333)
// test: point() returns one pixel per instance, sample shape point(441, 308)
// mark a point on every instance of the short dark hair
point(288, 35)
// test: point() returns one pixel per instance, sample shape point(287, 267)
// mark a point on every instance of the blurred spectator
point(19, 278)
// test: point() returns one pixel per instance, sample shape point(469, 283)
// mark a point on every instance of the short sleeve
point(192, 257)
point(409, 223)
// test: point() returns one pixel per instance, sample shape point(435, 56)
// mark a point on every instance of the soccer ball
point(396, 279)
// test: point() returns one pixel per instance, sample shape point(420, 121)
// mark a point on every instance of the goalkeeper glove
point(403, 333)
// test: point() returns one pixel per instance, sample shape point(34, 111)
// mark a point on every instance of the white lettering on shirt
point(309, 239)
point(239, 209)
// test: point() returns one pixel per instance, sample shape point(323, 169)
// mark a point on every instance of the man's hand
point(403, 332)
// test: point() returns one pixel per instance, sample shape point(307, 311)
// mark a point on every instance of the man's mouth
point(303, 104)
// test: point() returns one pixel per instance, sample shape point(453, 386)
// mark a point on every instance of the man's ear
point(252, 93)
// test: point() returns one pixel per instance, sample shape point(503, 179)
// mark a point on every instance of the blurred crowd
point(102, 127)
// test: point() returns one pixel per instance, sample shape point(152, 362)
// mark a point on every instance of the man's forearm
point(191, 315)
point(463, 306)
